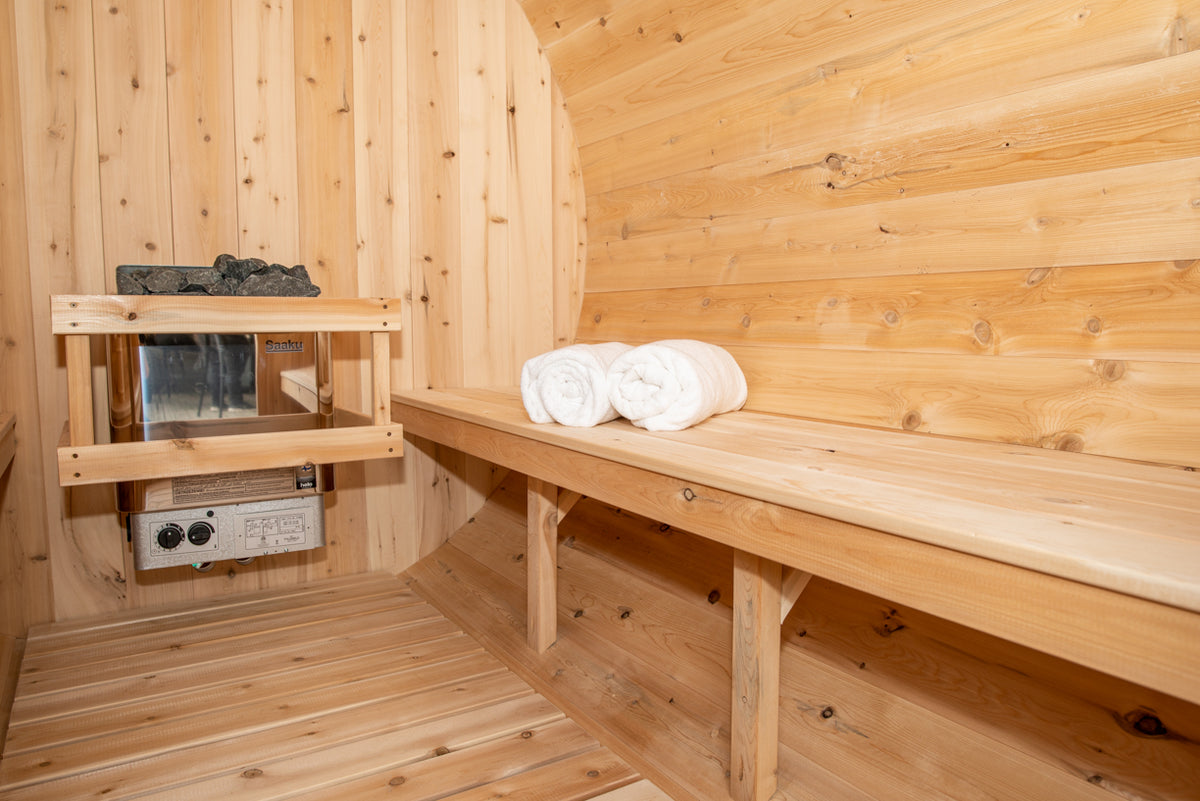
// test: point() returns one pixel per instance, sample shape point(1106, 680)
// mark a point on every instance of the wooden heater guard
point(79, 317)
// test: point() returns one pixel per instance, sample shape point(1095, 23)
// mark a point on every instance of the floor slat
point(298, 694)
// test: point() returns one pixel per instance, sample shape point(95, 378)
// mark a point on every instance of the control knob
point(169, 536)
point(200, 532)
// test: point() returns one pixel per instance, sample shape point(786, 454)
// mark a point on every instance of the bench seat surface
point(1125, 526)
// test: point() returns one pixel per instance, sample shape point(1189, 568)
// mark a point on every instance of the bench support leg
point(755, 726)
point(541, 562)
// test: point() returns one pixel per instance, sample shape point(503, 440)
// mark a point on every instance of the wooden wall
point(970, 218)
point(406, 148)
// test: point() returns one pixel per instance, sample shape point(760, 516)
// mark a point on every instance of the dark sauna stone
point(129, 283)
point(227, 276)
point(164, 281)
point(277, 284)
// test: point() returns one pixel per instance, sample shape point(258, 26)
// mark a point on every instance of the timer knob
point(169, 536)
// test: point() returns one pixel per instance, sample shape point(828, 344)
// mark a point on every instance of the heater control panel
point(230, 531)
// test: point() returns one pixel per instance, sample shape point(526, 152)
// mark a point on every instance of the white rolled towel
point(570, 385)
point(675, 383)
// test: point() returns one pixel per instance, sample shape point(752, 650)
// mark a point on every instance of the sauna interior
point(953, 245)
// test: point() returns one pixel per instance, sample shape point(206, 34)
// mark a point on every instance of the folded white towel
point(570, 385)
point(675, 383)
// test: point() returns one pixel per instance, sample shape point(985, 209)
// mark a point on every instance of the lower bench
point(1087, 558)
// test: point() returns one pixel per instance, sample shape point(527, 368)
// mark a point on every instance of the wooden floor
point(355, 688)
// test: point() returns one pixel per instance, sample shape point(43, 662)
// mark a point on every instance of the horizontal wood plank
point(1113, 311)
point(834, 74)
point(173, 314)
point(1135, 115)
point(134, 461)
point(1126, 214)
point(1105, 407)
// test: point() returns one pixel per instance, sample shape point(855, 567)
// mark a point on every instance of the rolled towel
point(570, 385)
point(675, 383)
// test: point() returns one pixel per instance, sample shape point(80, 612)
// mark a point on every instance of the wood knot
point(891, 317)
point(912, 420)
point(1037, 276)
point(1093, 325)
point(252, 773)
point(983, 333)
point(745, 321)
point(1144, 722)
point(396, 781)
point(714, 596)
point(1110, 369)
point(834, 161)
point(1069, 442)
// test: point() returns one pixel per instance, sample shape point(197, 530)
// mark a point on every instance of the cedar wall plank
point(25, 592)
point(974, 219)
point(1137, 115)
point(878, 74)
point(250, 132)
point(203, 165)
point(1119, 311)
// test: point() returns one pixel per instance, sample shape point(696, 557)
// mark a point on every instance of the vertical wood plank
point(327, 197)
point(25, 539)
point(135, 172)
point(570, 225)
point(484, 203)
point(381, 384)
point(380, 69)
point(135, 203)
point(541, 562)
point(435, 217)
point(754, 731)
point(79, 382)
point(199, 99)
point(531, 229)
point(264, 113)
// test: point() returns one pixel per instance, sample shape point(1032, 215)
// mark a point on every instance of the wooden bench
point(1091, 559)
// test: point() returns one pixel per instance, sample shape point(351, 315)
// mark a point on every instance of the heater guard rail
point(79, 317)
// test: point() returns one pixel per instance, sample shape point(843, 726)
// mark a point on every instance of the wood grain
point(1111, 311)
point(542, 565)
point(1126, 214)
point(301, 714)
point(136, 461)
point(151, 314)
point(199, 92)
point(266, 131)
point(754, 730)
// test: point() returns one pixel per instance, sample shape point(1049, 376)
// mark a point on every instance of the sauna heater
point(181, 386)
